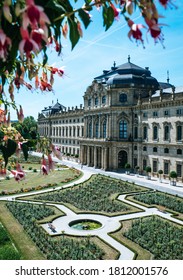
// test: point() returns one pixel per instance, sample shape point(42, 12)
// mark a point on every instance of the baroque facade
point(128, 117)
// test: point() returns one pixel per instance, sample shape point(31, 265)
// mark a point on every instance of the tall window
point(136, 132)
point(104, 129)
point(96, 101)
point(179, 170)
point(122, 129)
point(90, 129)
point(96, 129)
point(166, 168)
point(89, 102)
point(155, 166)
point(166, 133)
point(145, 135)
point(144, 163)
point(155, 132)
point(104, 99)
point(179, 133)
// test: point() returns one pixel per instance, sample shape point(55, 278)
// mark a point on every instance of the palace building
point(128, 117)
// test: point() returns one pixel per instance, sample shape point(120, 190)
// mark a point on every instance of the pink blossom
point(5, 45)
point(135, 31)
point(18, 175)
point(20, 115)
point(27, 45)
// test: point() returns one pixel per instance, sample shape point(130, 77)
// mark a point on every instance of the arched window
point(123, 129)
point(155, 132)
point(155, 149)
point(96, 129)
point(123, 97)
point(104, 129)
point(166, 133)
point(144, 148)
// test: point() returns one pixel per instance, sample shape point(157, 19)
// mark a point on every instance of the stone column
point(88, 155)
point(105, 158)
point(95, 157)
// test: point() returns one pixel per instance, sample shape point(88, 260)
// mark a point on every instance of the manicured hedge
point(171, 202)
point(162, 238)
point(53, 248)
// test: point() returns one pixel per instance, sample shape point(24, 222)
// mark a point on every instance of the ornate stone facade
point(128, 117)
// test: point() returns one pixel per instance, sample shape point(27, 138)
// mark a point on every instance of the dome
point(128, 75)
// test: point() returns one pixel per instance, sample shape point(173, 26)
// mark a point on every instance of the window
point(96, 101)
point(145, 114)
point(155, 149)
point(144, 164)
point(155, 132)
point(104, 99)
point(166, 150)
point(104, 129)
point(135, 148)
point(155, 114)
point(145, 135)
point(90, 130)
point(122, 129)
point(179, 152)
point(166, 168)
point(166, 113)
point(136, 132)
point(179, 133)
point(144, 148)
point(179, 112)
point(96, 129)
point(166, 133)
point(89, 102)
point(179, 170)
point(123, 97)
point(135, 162)
point(155, 166)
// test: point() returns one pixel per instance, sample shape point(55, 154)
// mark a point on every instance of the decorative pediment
point(123, 115)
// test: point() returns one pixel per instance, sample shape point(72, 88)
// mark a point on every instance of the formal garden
point(149, 237)
point(164, 201)
point(98, 194)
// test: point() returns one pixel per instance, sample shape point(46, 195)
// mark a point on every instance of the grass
point(23, 243)
point(36, 179)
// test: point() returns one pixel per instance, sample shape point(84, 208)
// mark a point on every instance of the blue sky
point(97, 50)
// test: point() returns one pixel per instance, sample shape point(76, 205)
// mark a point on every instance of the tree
point(148, 170)
point(173, 175)
point(160, 172)
point(29, 27)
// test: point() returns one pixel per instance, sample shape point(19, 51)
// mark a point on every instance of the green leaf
point(8, 150)
point(25, 150)
point(73, 33)
point(108, 17)
point(54, 6)
point(84, 17)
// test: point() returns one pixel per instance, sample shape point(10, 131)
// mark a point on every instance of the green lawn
point(32, 179)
